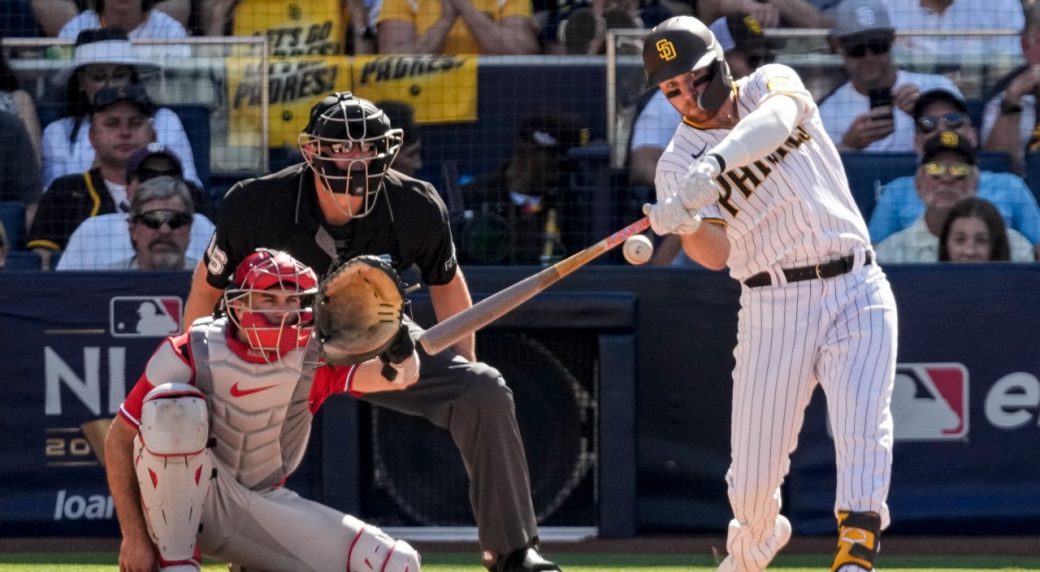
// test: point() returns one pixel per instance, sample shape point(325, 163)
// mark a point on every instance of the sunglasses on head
point(155, 219)
point(876, 47)
point(929, 123)
point(955, 170)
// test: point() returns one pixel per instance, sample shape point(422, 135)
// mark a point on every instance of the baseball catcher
point(221, 417)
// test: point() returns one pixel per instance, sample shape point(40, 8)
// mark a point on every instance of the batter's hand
point(669, 217)
point(698, 188)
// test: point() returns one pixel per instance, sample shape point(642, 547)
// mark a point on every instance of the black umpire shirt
point(409, 222)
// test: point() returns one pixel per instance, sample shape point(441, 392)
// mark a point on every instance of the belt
point(830, 269)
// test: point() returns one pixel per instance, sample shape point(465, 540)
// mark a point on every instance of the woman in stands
point(974, 231)
point(103, 57)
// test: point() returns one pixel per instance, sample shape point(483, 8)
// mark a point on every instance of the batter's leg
point(778, 333)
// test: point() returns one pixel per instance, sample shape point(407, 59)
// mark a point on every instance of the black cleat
point(523, 560)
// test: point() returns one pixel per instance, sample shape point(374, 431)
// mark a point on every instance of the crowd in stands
point(88, 199)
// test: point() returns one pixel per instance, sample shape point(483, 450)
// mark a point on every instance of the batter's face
point(683, 91)
point(946, 179)
point(969, 240)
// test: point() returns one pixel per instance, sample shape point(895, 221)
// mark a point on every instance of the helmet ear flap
point(719, 86)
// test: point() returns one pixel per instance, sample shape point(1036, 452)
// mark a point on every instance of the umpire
point(346, 200)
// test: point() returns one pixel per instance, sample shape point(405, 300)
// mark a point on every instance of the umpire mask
point(349, 143)
point(683, 44)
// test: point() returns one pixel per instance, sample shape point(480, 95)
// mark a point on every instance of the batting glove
point(669, 217)
point(698, 188)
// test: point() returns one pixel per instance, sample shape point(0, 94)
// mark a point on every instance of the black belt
point(825, 270)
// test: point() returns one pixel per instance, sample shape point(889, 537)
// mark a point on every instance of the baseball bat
point(446, 333)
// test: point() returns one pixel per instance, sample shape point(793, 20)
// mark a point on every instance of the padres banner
point(441, 89)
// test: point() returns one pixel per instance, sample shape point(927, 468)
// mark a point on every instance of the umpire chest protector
point(259, 413)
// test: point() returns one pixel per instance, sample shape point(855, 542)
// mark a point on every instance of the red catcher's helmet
point(272, 330)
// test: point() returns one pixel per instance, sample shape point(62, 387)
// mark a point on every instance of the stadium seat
point(1033, 173)
point(195, 119)
point(23, 260)
point(12, 215)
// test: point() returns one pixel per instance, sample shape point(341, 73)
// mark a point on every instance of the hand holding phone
point(881, 97)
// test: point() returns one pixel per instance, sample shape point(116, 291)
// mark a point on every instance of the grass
point(445, 562)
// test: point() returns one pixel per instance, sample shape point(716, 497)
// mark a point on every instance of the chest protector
point(258, 412)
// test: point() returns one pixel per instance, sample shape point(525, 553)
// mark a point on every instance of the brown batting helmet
point(683, 44)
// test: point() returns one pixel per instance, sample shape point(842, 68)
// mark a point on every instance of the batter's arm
point(202, 298)
point(136, 552)
point(707, 245)
point(450, 299)
point(760, 132)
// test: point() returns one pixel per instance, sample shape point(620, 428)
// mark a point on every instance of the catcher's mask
point(271, 301)
point(349, 143)
point(683, 44)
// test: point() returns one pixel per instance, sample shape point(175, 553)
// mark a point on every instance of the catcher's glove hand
point(358, 311)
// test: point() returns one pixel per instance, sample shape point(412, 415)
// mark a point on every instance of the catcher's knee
point(174, 468)
point(859, 539)
point(373, 549)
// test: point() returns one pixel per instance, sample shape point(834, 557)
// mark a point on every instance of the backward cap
point(948, 141)
point(676, 46)
point(853, 17)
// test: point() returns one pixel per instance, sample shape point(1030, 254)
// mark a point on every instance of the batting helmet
point(272, 329)
point(683, 44)
point(341, 123)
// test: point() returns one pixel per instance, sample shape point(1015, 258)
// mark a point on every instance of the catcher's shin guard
point(174, 467)
point(374, 550)
point(859, 539)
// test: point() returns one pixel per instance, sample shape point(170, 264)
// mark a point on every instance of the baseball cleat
point(858, 541)
point(523, 560)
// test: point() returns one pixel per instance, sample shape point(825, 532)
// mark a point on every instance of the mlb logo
point(144, 316)
point(930, 402)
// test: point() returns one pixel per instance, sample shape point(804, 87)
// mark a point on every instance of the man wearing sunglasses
point(899, 204)
point(948, 172)
point(863, 37)
point(100, 243)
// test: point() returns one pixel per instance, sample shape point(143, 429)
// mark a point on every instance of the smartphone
point(881, 97)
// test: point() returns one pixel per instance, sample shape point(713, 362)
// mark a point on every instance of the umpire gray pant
point(472, 401)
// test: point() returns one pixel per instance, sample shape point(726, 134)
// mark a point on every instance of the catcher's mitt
point(358, 311)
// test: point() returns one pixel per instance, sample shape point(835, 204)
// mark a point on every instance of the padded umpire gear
point(859, 539)
point(683, 44)
point(174, 467)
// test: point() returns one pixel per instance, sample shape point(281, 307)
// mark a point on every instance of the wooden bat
point(446, 333)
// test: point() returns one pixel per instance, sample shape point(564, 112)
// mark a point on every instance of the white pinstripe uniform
point(790, 209)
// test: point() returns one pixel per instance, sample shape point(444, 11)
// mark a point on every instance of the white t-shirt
point(790, 208)
point(961, 15)
point(101, 241)
point(59, 159)
point(157, 25)
point(840, 108)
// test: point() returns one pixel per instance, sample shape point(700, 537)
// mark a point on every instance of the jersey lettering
point(746, 180)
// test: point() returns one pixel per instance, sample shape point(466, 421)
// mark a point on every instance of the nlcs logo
point(665, 49)
point(930, 401)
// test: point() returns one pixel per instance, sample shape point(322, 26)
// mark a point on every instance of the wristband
point(720, 161)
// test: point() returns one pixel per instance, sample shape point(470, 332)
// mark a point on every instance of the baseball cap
point(938, 94)
point(744, 34)
point(130, 93)
point(948, 141)
point(102, 46)
point(861, 18)
point(138, 158)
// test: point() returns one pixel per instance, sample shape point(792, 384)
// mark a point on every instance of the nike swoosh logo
point(237, 392)
point(701, 152)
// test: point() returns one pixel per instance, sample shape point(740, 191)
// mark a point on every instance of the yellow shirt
point(425, 13)
point(315, 27)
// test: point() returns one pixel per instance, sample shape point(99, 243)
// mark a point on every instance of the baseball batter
point(750, 180)
point(221, 417)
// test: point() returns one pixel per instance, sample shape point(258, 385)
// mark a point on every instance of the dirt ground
point(962, 545)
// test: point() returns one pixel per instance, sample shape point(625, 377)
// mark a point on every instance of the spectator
point(298, 36)
point(957, 16)
point(102, 58)
point(531, 196)
point(974, 231)
point(18, 102)
point(580, 26)
point(863, 37)
point(899, 205)
point(947, 173)
point(457, 27)
point(19, 171)
point(771, 13)
point(100, 242)
point(1009, 119)
point(119, 126)
point(402, 116)
point(138, 19)
point(53, 15)
point(161, 214)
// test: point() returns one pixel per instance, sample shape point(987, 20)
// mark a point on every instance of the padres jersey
point(790, 208)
